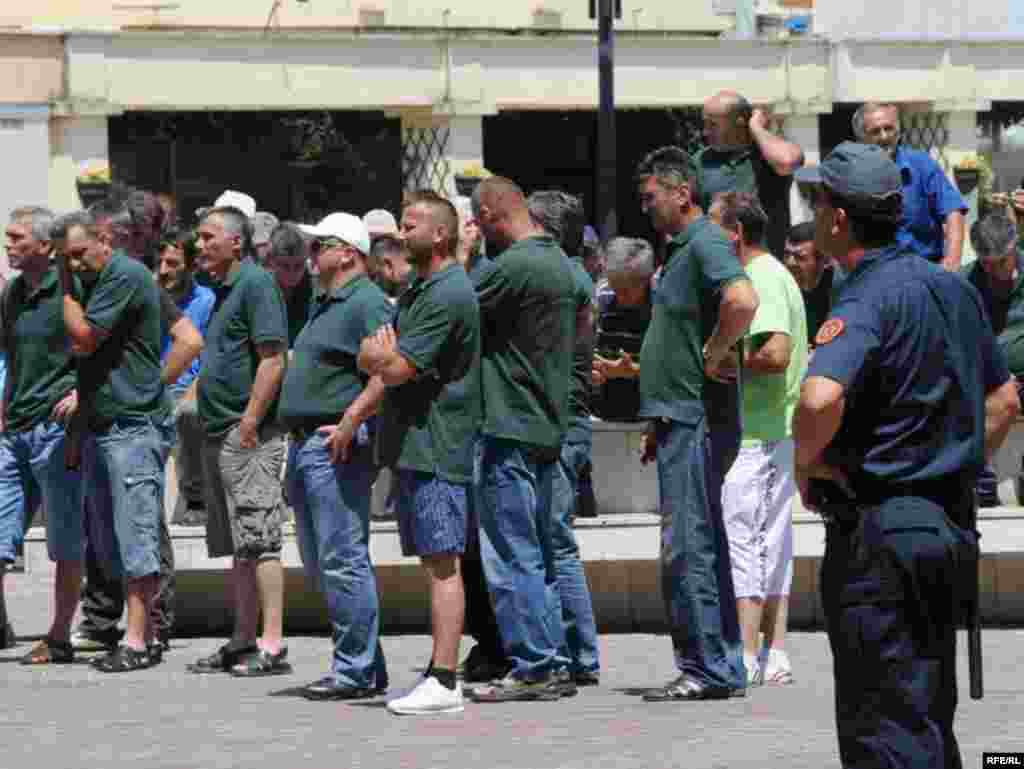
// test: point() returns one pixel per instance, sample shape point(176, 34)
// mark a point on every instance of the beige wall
point(676, 15)
point(31, 69)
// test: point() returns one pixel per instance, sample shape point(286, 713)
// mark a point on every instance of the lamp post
point(607, 218)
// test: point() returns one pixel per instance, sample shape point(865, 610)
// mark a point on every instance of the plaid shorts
point(432, 514)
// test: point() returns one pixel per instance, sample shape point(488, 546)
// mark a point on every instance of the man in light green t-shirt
point(757, 496)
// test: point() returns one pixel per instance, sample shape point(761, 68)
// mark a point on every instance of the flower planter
point(92, 192)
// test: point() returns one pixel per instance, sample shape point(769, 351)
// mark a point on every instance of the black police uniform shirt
point(913, 349)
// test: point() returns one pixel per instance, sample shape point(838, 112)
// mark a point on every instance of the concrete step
point(619, 554)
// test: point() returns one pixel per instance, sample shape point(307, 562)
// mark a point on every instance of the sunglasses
point(320, 245)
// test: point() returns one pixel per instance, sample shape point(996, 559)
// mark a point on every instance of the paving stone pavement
point(165, 718)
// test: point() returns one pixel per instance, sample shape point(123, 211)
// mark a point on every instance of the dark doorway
point(836, 127)
point(297, 165)
point(546, 150)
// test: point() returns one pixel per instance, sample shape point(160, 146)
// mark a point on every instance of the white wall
point(918, 19)
point(24, 158)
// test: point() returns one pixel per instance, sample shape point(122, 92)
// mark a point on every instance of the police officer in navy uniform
point(905, 396)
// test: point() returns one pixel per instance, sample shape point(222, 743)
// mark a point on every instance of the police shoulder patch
point(829, 330)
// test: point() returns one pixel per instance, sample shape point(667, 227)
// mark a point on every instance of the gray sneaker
point(511, 689)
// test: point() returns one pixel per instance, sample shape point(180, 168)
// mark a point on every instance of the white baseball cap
point(347, 227)
point(244, 203)
point(380, 222)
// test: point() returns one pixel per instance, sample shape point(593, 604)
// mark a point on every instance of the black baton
point(972, 618)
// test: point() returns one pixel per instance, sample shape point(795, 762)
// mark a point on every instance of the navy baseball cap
point(863, 175)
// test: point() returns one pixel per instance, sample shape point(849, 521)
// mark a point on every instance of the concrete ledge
point(619, 554)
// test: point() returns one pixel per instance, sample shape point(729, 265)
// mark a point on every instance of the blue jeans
point(696, 575)
point(514, 488)
point(32, 471)
point(577, 610)
point(123, 470)
point(332, 521)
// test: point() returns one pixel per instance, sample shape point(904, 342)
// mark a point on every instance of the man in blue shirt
point(933, 210)
point(906, 395)
point(175, 264)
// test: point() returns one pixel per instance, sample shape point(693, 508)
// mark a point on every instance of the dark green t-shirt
point(121, 380)
point(428, 423)
point(746, 170)
point(1005, 313)
point(528, 317)
point(249, 311)
point(583, 351)
point(699, 264)
point(323, 379)
point(299, 306)
point(40, 367)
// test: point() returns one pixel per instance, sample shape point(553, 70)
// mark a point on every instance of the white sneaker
point(428, 697)
point(777, 669)
point(755, 674)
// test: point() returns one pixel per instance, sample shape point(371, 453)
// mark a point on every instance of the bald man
point(528, 318)
point(743, 155)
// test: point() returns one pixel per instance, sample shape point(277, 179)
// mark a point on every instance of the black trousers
point(103, 596)
point(889, 585)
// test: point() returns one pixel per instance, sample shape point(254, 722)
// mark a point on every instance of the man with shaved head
point(743, 155)
point(429, 361)
point(528, 313)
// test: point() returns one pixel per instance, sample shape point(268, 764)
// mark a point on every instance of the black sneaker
point(480, 668)
point(687, 688)
point(586, 678)
point(328, 688)
point(566, 683)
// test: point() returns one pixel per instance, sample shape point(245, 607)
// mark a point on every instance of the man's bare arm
point(1002, 406)
point(782, 155)
point(770, 358)
point(735, 312)
point(186, 345)
point(265, 387)
point(817, 418)
point(953, 237)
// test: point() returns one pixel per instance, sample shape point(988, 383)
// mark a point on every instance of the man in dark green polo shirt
point(561, 216)
point(528, 313)
point(703, 304)
point(326, 403)
point(430, 361)
point(998, 275)
point(114, 329)
point(743, 155)
point(286, 260)
point(39, 397)
point(243, 453)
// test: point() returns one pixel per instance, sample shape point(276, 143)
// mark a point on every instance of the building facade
point(423, 90)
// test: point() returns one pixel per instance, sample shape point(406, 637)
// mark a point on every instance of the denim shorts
point(123, 483)
point(33, 473)
point(432, 514)
point(242, 488)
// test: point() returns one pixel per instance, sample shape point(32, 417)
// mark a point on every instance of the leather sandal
point(125, 659)
point(262, 663)
point(49, 652)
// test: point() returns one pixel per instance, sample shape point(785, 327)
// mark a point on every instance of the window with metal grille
point(926, 131)
point(424, 163)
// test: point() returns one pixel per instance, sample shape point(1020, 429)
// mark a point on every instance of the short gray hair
point(632, 257)
point(62, 225)
point(993, 235)
point(561, 216)
point(866, 109)
point(40, 220)
point(235, 222)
